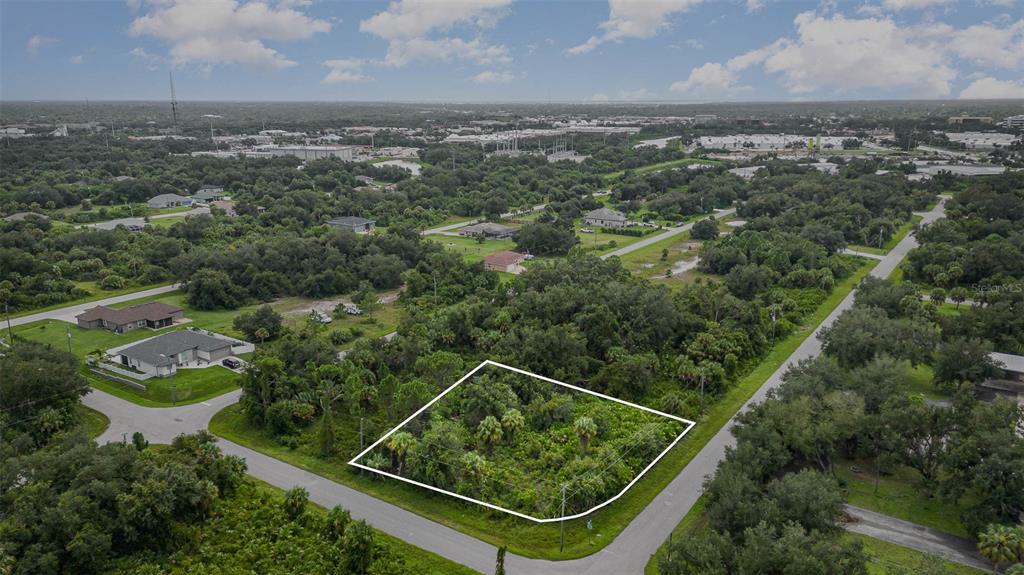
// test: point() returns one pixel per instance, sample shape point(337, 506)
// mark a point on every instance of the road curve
point(628, 553)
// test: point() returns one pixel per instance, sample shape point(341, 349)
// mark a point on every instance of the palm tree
point(262, 333)
point(400, 444)
point(958, 295)
point(512, 422)
point(999, 544)
point(474, 467)
point(489, 432)
point(586, 429)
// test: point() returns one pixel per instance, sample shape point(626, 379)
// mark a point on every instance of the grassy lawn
point(596, 242)
point(694, 521)
point(898, 495)
point(522, 537)
point(883, 557)
point(919, 381)
point(95, 294)
point(897, 237)
point(384, 320)
point(95, 423)
point(660, 166)
point(470, 249)
point(165, 222)
point(647, 260)
point(186, 386)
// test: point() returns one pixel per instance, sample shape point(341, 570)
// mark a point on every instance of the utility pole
point(561, 524)
point(360, 440)
point(775, 316)
point(69, 338)
point(702, 390)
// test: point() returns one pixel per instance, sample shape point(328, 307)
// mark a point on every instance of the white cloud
point(345, 70)
point(76, 59)
point(627, 95)
point(634, 19)
point(712, 80)
point(899, 5)
point(989, 45)
point(407, 25)
point(210, 32)
point(150, 61)
point(989, 88)
point(492, 77)
point(38, 41)
point(694, 43)
point(754, 6)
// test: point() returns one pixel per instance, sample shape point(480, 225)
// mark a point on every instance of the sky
point(511, 50)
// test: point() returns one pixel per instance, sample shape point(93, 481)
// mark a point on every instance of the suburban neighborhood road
point(68, 313)
point(628, 553)
point(664, 235)
point(111, 224)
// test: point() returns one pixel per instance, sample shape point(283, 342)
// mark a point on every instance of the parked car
point(586, 231)
point(231, 363)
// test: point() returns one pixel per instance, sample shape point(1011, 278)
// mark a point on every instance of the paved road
point(663, 235)
point(68, 313)
point(868, 255)
point(111, 224)
point(914, 536)
point(628, 553)
point(458, 225)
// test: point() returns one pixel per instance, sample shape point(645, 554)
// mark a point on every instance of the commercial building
point(1014, 122)
point(154, 315)
point(164, 354)
point(346, 153)
point(970, 120)
point(353, 223)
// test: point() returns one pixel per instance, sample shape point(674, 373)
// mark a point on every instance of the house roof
point(350, 221)
point(1014, 363)
point(605, 214)
point(208, 193)
point(504, 259)
point(486, 228)
point(167, 198)
point(151, 311)
point(157, 350)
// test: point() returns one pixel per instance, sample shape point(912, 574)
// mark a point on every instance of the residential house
point(510, 262)
point(605, 218)
point(154, 315)
point(488, 230)
point(164, 354)
point(168, 201)
point(353, 223)
point(227, 206)
point(208, 194)
point(1009, 384)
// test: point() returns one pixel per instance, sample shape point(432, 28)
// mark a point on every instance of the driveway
point(652, 239)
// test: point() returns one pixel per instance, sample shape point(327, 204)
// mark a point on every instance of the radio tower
point(174, 103)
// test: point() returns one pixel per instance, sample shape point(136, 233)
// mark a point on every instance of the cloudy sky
point(487, 50)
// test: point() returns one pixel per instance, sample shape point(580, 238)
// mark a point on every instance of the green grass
point(94, 422)
point(660, 166)
point(919, 381)
point(165, 222)
point(897, 237)
point(184, 387)
point(469, 248)
point(884, 556)
point(384, 320)
point(647, 260)
point(96, 294)
point(600, 239)
point(899, 495)
point(522, 537)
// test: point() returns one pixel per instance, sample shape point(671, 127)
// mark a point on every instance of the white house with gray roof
point(164, 354)
point(168, 201)
point(606, 218)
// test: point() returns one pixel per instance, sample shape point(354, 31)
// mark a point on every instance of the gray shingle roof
point(605, 214)
point(157, 350)
point(350, 221)
point(1014, 363)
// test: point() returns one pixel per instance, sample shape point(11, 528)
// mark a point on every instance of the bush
point(285, 417)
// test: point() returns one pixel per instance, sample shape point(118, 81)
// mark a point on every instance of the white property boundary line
point(689, 426)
